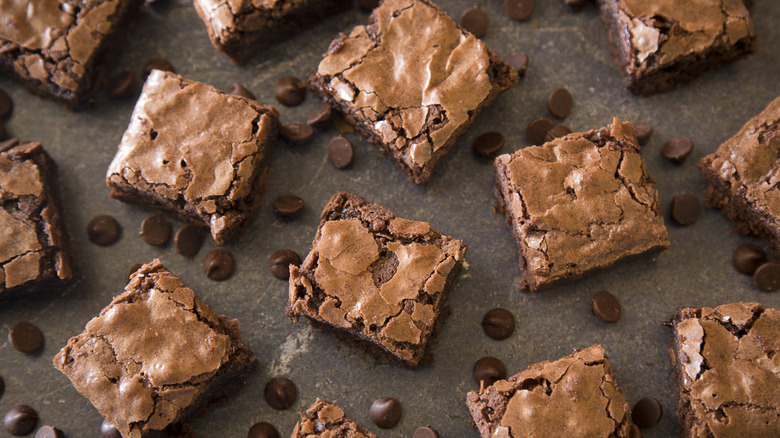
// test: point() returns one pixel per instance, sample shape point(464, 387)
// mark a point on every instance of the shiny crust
point(324, 419)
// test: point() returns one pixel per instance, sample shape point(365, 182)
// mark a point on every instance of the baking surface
point(566, 49)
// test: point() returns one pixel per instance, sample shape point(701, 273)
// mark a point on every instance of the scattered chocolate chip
point(158, 64)
point(280, 393)
point(678, 149)
point(488, 370)
point(537, 129)
point(748, 257)
point(556, 131)
point(103, 230)
point(488, 144)
point(288, 206)
point(606, 306)
point(498, 323)
point(560, 102)
point(263, 430)
point(368, 5)
point(340, 152)
point(685, 209)
point(767, 276)
point(425, 432)
point(240, 90)
point(519, 9)
point(122, 85)
point(385, 412)
point(6, 104)
point(132, 270)
point(643, 132)
point(155, 230)
point(280, 262)
point(320, 118)
point(219, 265)
point(25, 337)
point(290, 91)
point(343, 124)
point(49, 432)
point(518, 61)
point(297, 133)
point(647, 412)
point(188, 240)
point(107, 430)
point(20, 420)
point(476, 21)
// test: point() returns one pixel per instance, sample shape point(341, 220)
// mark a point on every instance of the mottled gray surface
point(566, 49)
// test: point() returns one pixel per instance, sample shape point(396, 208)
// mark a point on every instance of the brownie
point(243, 28)
point(59, 48)
point(579, 203)
point(659, 44)
point(197, 153)
point(743, 178)
point(412, 80)
point(726, 370)
point(576, 394)
point(156, 355)
point(376, 280)
point(324, 419)
point(35, 252)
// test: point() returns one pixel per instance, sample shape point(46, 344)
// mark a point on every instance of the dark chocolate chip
point(188, 240)
point(556, 131)
point(498, 323)
point(280, 262)
point(107, 430)
point(476, 21)
point(425, 432)
point(20, 420)
point(678, 149)
point(560, 102)
point(643, 132)
point(280, 393)
point(340, 152)
point(6, 104)
point(647, 412)
point(49, 432)
point(685, 209)
point(218, 265)
point(158, 64)
point(297, 133)
point(132, 270)
point(606, 306)
point(155, 230)
point(122, 85)
point(488, 370)
point(288, 206)
point(263, 430)
point(767, 276)
point(537, 130)
point(290, 91)
point(240, 90)
point(488, 144)
point(519, 9)
point(368, 5)
point(518, 61)
point(748, 257)
point(320, 118)
point(25, 337)
point(385, 412)
point(103, 230)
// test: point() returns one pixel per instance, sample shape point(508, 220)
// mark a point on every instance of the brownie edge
point(326, 420)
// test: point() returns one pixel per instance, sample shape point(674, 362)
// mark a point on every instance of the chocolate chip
point(556, 131)
point(297, 133)
point(560, 102)
point(280, 262)
point(748, 257)
point(132, 270)
point(425, 432)
point(476, 21)
point(518, 61)
point(6, 104)
point(498, 323)
point(368, 5)
point(290, 91)
point(340, 152)
point(606, 306)
point(239, 90)
point(320, 118)
point(49, 432)
point(188, 240)
point(678, 149)
point(488, 370)
point(263, 430)
point(685, 209)
point(155, 230)
point(20, 420)
point(122, 84)
point(519, 9)
point(103, 230)
point(288, 206)
point(25, 337)
point(767, 276)
point(280, 393)
point(385, 412)
point(488, 144)
point(643, 132)
point(107, 430)
point(158, 64)
point(537, 129)
point(219, 265)
point(647, 412)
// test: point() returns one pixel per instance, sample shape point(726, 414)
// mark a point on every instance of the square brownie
point(660, 44)
point(726, 366)
point(35, 252)
point(579, 203)
point(743, 178)
point(197, 153)
point(156, 355)
point(243, 28)
point(324, 419)
point(577, 394)
point(376, 280)
point(412, 80)
point(58, 48)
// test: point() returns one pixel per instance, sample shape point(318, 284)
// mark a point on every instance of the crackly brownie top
point(411, 72)
point(729, 365)
point(324, 419)
point(224, 16)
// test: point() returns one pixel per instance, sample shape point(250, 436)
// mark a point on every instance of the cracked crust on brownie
point(325, 419)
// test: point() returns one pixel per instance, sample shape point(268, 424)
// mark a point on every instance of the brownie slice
point(243, 28)
point(326, 420)
point(660, 44)
point(579, 203)
point(58, 48)
point(412, 80)
point(197, 153)
point(376, 280)
point(35, 252)
point(726, 370)
point(743, 178)
point(577, 395)
point(156, 355)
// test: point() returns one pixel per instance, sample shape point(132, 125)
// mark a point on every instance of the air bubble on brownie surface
point(183, 163)
point(384, 268)
point(153, 134)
